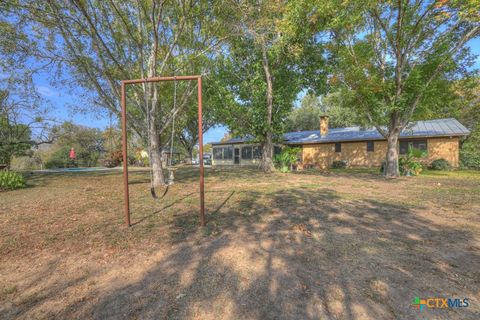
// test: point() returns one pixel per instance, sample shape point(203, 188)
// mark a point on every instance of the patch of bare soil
point(279, 246)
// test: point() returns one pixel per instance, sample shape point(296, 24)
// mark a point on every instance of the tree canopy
point(264, 70)
point(22, 125)
point(306, 116)
point(392, 60)
point(373, 63)
point(100, 43)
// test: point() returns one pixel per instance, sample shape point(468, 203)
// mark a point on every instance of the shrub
point(409, 167)
point(58, 159)
point(410, 164)
point(339, 164)
point(90, 158)
point(10, 180)
point(109, 163)
point(287, 158)
point(470, 151)
point(114, 159)
point(440, 164)
point(32, 162)
point(55, 163)
point(141, 158)
point(470, 157)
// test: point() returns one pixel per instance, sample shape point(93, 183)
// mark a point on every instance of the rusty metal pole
point(124, 152)
point(200, 143)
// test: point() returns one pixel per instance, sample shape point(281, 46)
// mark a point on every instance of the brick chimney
point(323, 126)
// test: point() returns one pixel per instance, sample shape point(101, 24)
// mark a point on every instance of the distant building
point(175, 156)
point(358, 147)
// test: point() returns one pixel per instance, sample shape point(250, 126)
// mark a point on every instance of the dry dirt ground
point(312, 245)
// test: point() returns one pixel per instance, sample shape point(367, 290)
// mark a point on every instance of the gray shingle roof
point(428, 128)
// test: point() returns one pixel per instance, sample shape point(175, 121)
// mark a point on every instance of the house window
point(228, 153)
point(420, 144)
point(217, 153)
point(370, 146)
point(223, 153)
point(257, 152)
point(338, 147)
point(276, 150)
point(247, 153)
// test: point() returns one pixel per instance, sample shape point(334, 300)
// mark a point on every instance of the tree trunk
point(155, 154)
point(391, 169)
point(152, 93)
point(190, 154)
point(267, 162)
point(267, 154)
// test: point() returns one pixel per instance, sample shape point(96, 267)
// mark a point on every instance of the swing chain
point(171, 177)
point(173, 119)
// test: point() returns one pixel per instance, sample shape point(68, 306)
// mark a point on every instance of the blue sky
point(61, 109)
point(61, 100)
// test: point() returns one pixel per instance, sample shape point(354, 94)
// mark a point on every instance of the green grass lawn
point(344, 244)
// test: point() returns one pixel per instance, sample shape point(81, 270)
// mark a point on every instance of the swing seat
point(171, 176)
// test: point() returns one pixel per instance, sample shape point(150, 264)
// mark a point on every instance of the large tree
point(101, 42)
point(461, 100)
point(306, 116)
point(391, 58)
point(23, 124)
point(15, 137)
point(88, 144)
point(213, 101)
point(263, 71)
point(188, 134)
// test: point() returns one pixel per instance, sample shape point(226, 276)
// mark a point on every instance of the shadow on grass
point(37, 179)
point(357, 173)
point(171, 204)
point(296, 254)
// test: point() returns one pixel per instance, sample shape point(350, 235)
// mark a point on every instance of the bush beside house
point(287, 158)
point(10, 180)
point(440, 164)
point(339, 164)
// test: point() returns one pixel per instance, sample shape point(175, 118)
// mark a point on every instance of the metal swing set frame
point(123, 102)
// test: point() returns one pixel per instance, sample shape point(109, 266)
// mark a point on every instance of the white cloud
point(47, 91)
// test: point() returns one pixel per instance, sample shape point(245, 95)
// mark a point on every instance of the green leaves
point(10, 180)
point(287, 157)
point(397, 55)
point(292, 57)
point(307, 116)
point(88, 144)
point(411, 164)
point(14, 140)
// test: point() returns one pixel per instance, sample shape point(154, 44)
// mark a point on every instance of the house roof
point(419, 129)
